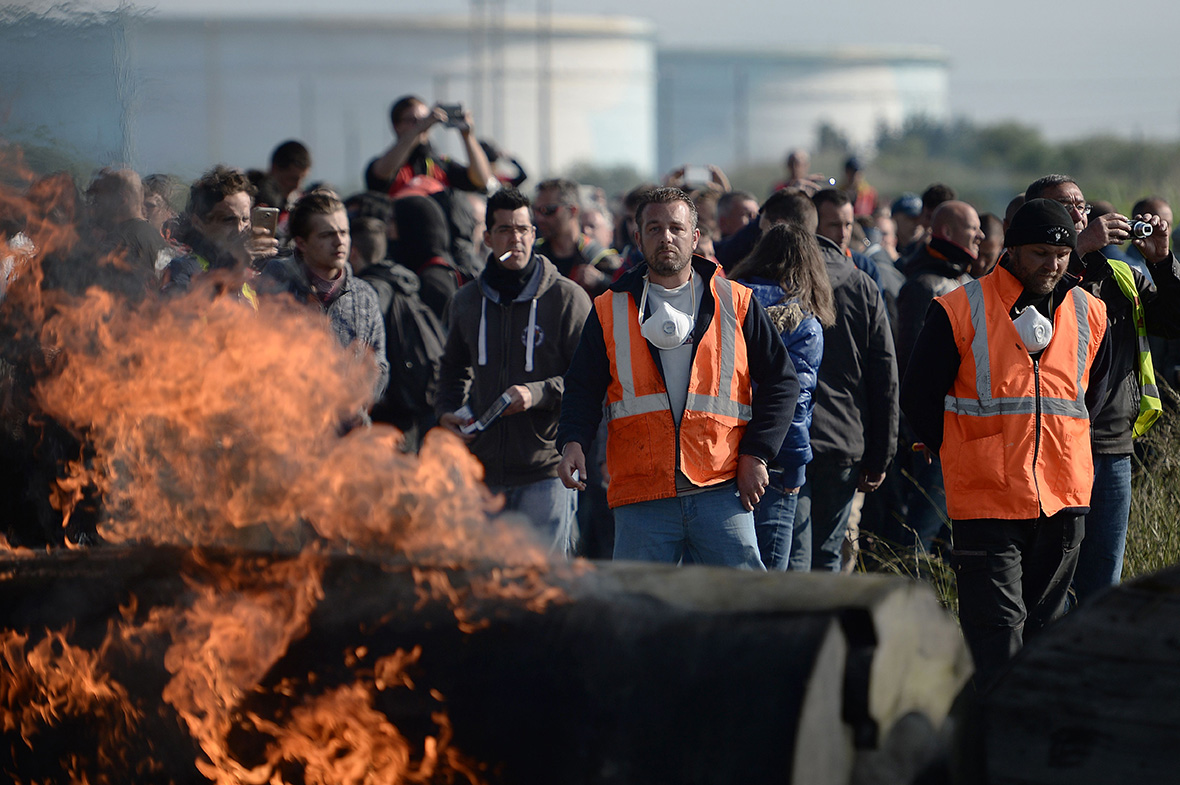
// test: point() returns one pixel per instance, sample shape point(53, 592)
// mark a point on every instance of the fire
point(212, 423)
point(340, 738)
point(56, 684)
point(241, 622)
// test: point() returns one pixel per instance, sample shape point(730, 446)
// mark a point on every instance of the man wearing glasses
point(1135, 308)
point(576, 255)
point(513, 332)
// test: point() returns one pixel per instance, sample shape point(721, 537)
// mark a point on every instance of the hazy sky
point(1071, 69)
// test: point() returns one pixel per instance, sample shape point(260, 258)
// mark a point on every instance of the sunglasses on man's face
point(549, 209)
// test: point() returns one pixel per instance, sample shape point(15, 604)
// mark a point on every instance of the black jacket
point(201, 258)
point(518, 449)
point(770, 368)
point(1111, 433)
point(856, 410)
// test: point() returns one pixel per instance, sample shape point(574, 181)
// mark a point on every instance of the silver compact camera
point(1141, 229)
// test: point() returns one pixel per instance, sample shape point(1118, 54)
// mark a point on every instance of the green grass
point(1153, 535)
point(1153, 532)
point(880, 555)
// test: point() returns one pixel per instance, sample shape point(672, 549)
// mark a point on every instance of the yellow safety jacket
point(1150, 406)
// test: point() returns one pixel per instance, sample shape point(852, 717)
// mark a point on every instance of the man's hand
point(1154, 248)
point(260, 247)
point(573, 459)
point(251, 247)
point(752, 479)
point(586, 276)
point(522, 399)
point(452, 423)
point(1109, 229)
point(718, 178)
point(870, 482)
point(675, 178)
point(467, 126)
point(434, 117)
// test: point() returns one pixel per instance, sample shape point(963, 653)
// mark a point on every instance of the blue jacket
point(805, 345)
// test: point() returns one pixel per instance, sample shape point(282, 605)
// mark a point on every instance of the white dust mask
point(1034, 328)
point(666, 328)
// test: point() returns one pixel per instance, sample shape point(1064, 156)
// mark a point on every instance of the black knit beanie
point(1041, 221)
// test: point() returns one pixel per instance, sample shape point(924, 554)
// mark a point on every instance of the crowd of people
point(688, 373)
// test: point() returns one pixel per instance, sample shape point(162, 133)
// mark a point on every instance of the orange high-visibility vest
point(1016, 433)
point(641, 448)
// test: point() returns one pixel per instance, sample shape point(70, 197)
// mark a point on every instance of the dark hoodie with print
point(494, 344)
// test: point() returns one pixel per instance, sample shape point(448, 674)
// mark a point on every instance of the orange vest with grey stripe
point(1016, 431)
point(642, 443)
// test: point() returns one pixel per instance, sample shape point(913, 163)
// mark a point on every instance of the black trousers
point(1013, 578)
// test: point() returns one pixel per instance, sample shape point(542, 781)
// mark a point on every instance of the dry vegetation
point(1153, 535)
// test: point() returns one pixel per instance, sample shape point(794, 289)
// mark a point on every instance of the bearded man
point(698, 390)
point(1013, 369)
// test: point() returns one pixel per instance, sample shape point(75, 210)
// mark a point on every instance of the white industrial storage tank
point(734, 108)
point(177, 94)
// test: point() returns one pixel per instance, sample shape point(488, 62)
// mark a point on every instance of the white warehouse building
point(177, 94)
point(735, 108)
point(167, 93)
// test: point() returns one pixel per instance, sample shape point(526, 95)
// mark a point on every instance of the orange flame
point(240, 624)
point(55, 683)
point(340, 739)
point(213, 422)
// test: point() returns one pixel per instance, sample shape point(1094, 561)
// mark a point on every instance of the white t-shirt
point(677, 363)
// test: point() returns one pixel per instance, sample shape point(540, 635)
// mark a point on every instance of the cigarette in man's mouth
point(504, 258)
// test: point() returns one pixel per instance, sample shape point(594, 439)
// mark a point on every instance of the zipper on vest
point(1037, 425)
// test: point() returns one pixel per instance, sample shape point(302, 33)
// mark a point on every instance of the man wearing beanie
point(1006, 376)
point(1135, 309)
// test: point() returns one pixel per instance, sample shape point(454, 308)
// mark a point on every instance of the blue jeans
point(550, 507)
point(1100, 564)
point(710, 527)
point(827, 504)
point(926, 502)
point(774, 523)
point(801, 532)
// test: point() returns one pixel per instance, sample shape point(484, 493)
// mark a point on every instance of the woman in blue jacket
point(786, 272)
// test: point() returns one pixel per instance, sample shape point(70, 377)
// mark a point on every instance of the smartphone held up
point(265, 220)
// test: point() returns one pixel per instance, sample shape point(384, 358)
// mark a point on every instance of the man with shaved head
point(938, 268)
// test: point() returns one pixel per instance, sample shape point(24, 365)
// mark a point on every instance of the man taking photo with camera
point(412, 161)
point(1135, 309)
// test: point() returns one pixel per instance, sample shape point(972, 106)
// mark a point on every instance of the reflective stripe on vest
point(988, 406)
point(631, 404)
point(1020, 446)
point(1149, 398)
